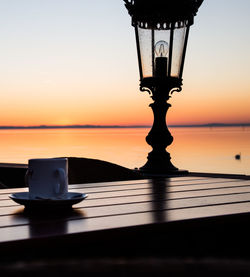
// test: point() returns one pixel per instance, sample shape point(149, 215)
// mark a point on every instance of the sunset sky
point(74, 62)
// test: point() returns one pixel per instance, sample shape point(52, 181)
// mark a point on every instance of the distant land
point(210, 125)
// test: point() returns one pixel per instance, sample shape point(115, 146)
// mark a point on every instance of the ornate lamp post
point(161, 31)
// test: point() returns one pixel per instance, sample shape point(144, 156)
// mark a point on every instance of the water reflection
point(194, 149)
point(211, 150)
point(126, 147)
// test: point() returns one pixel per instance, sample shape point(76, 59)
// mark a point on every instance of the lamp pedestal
point(159, 137)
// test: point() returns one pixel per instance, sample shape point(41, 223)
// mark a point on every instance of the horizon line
point(89, 126)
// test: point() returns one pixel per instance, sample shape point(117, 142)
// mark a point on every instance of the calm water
point(195, 149)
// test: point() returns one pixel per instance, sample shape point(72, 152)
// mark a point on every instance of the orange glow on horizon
point(137, 114)
point(128, 106)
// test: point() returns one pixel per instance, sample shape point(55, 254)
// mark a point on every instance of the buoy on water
point(237, 156)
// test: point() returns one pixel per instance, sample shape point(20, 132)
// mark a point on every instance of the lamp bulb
point(161, 48)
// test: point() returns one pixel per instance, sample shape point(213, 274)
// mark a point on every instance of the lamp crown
point(162, 14)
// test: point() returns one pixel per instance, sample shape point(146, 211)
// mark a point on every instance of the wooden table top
point(184, 209)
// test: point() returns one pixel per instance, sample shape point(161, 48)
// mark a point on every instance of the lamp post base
point(160, 164)
point(159, 137)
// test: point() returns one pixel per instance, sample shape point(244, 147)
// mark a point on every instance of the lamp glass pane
point(145, 41)
point(148, 41)
point(178, 47)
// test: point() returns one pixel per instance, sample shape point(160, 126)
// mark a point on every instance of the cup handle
point(59, 189)
point(28, 174)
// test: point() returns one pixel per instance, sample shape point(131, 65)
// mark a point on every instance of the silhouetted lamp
point(161, 32)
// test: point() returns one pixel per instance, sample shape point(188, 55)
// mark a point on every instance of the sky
point(74, 62)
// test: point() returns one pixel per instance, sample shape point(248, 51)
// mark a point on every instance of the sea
point(197, 149)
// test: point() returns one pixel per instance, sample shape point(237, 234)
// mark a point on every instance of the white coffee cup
point(47, 178)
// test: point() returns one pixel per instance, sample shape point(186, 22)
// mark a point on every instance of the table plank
point(88, 203)
point(152, 204)
point(73, 226)
point(171, 192)
point(171, 181)
point(171, 187)
point(181, 180)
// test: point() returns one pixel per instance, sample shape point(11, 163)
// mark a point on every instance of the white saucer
point(23, 198)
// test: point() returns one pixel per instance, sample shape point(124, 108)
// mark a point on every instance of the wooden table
point(174, 216)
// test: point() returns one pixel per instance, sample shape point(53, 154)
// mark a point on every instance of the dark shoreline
point(209, 125)
point(80, 170)
point(85, 170)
